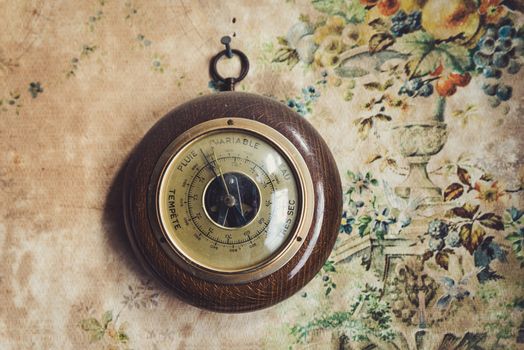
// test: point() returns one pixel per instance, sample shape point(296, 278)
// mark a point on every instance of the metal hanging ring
point(229, 82)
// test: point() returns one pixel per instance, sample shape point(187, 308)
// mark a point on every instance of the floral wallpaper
point(419, 100)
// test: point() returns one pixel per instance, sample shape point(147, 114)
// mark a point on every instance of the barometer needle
point(220, 171)
point(221, 175)
point(239, 198)
point(208, 163)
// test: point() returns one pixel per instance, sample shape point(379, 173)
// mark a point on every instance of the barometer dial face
point(230, 200)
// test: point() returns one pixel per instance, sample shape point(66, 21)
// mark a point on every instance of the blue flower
point(35, 88)
point(381, 222)
point(346, 223)
point(298, 106)
point(310, 93)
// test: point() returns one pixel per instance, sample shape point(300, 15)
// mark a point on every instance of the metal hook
point(228, 84)
point(226, 41)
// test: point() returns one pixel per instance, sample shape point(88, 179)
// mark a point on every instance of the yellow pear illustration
point(444, 19)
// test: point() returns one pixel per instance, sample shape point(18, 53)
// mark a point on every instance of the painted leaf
point(380, 41)
point(351, 72)
point(90, 324)
point(382, 117)
point(471, 237)
point(456, 57)
point(106, 318)
point(330, 7)
point(363, 227)
point(378, 24)
point(426, 64)
point(442, 258)
point(364, 126)
point(416, 43)
point(487, 274)
point(93, 327)
point(487, 252)
point(466, 211)
point(471, 209)
point(123, 337)
point(355, 12)
point(444, 301)
point(453, 191)
point(375, 85)
point(373, 158)
point(491, 220)
point(486, 177)
point(464, 176)
point(282, 41)
point(427, 255)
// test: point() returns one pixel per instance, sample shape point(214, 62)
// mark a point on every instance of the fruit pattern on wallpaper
point(409, 53)
point(428, 46)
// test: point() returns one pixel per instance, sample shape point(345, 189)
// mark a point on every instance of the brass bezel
point(304, 184)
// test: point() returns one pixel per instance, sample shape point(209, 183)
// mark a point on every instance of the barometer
point(233, 201)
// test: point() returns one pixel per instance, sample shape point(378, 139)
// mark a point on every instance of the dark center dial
point(232, 200)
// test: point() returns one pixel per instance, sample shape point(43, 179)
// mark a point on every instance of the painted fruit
point(388, 7)
point(368, 2)
point(444, 19)
point(460, 79)
point(410, 5)
point(437, 71)
point(445, 87)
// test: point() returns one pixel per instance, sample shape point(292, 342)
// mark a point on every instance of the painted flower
point(328, 52)
point(488, 193)
point(310, 93)
point(334, 26)
point(297, 32)
point(332, 44)
point(298, 106)
point(362, 182)
point(381, 222)
point(306, 49)
point(35, 88)
point(492, 9)
point(350, 35)
point(346, 223)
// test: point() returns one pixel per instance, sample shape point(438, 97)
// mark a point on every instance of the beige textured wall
point(109, 69)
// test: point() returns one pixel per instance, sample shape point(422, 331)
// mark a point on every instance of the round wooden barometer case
point(232, 200)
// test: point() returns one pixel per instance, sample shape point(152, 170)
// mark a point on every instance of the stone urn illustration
point(418, 142)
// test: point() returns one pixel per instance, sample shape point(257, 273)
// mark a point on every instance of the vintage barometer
point(232, 200)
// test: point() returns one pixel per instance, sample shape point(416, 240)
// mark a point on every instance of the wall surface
point(427, 257)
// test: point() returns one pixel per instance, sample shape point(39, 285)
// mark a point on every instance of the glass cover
point(229, 200)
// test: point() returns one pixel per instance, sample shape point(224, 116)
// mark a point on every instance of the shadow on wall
point(114, 225)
